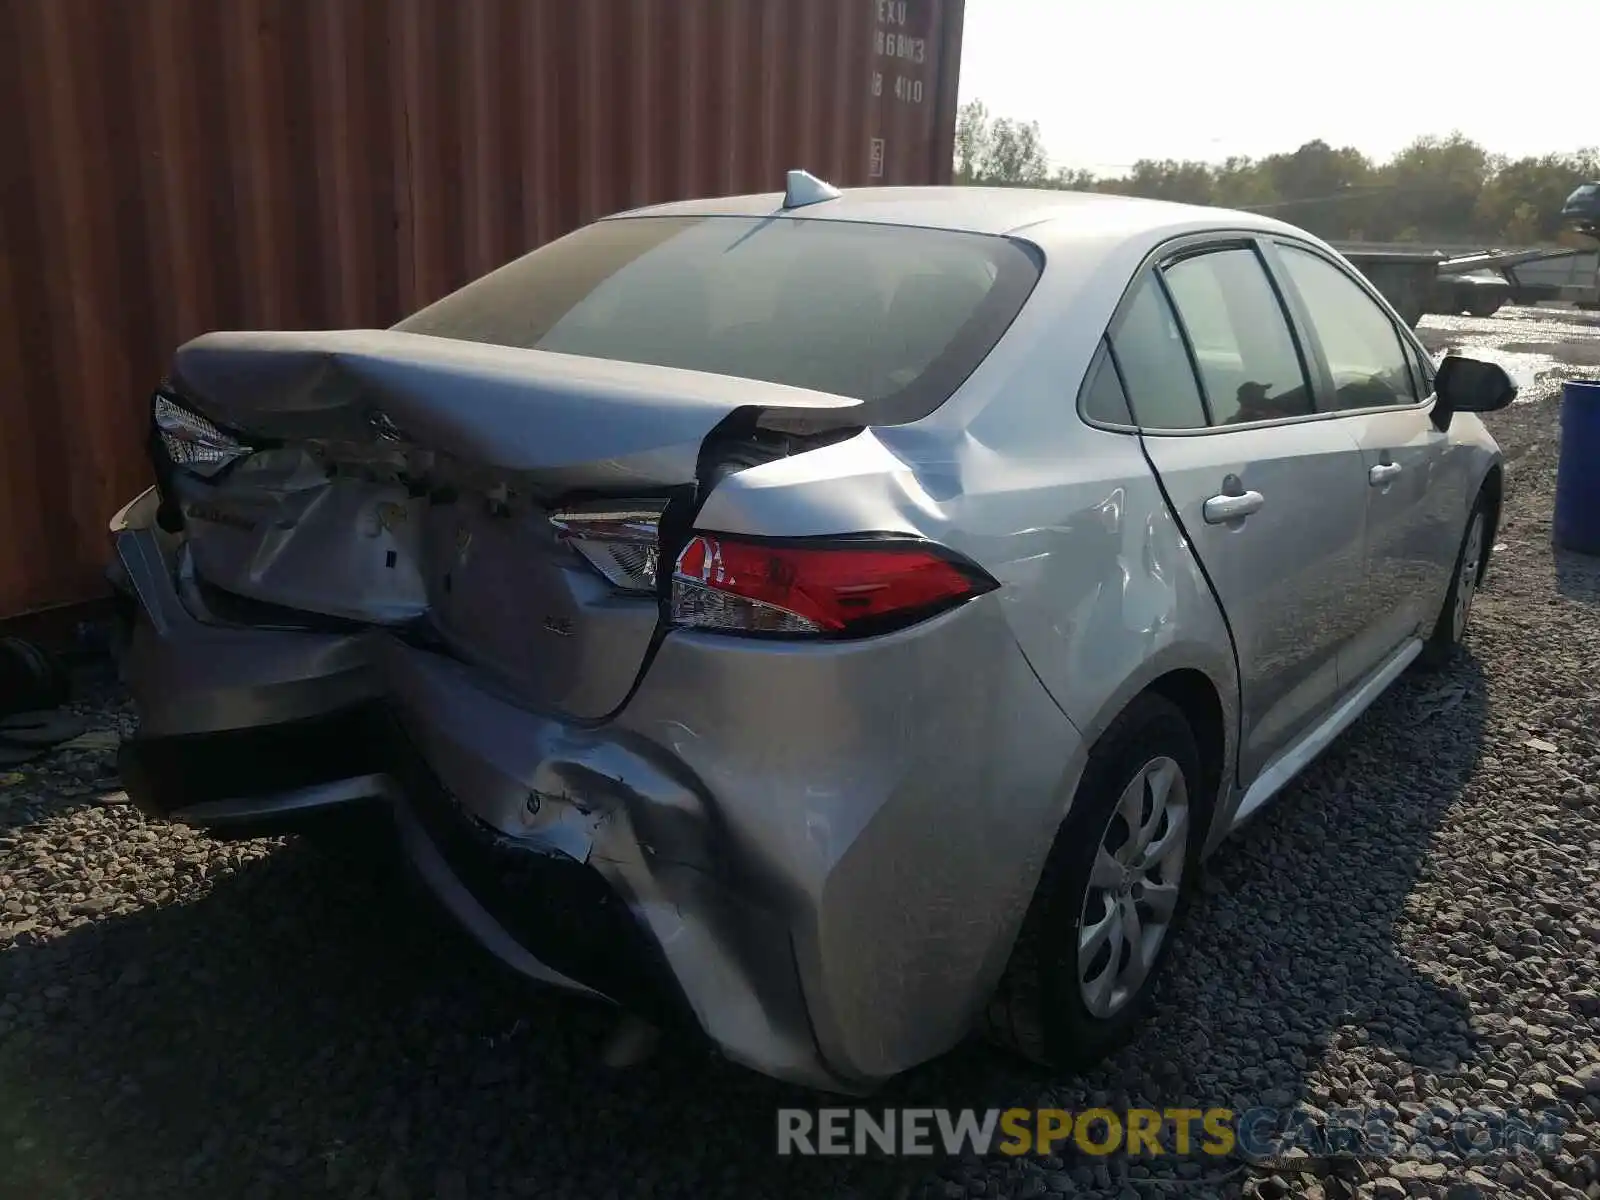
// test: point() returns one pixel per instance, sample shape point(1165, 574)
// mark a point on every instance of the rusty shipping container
point(175, 166)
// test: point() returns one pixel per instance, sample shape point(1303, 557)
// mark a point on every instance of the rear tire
point(1054, 1004)
point(1471, 560)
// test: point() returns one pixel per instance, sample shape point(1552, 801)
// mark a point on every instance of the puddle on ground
point(1527, 342)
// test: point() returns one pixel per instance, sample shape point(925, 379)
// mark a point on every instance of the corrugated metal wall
point(173, 166)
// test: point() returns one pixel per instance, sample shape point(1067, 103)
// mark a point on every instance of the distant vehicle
point(1477, 293)
point(776, 614)
point(1418, 281)
point(1582, 209)
point(1572, 276)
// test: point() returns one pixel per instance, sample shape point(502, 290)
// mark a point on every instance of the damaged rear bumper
point(251, 732)
point(829, 900)
point(547, 915)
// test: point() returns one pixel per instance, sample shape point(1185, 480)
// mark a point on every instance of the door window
point(1103, 397)
point(1243, 349)
point(1425, 370)
point(1365, 354)
point(1155, 365)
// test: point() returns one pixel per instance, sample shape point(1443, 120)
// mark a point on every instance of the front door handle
point(1219, 510)
point(1384, 473)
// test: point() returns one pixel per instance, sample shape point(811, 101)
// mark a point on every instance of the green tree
point(972, 140)
point(998, 150)
point(1444, 189)
point(1541, 184)
point(1435, 184)
point(1070, 179)
point(1166, 179)
point(1320, 188)
point(1240, 183)
point(1524, 228)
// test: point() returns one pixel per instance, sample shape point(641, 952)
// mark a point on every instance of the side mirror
point(1472, 385)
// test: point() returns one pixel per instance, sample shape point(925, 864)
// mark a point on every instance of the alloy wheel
point(1467, 576)
point(1133, 887)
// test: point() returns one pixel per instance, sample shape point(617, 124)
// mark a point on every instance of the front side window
point(1364, 350)
point(1243, 349)
point(894, 316)
point(1426, 369)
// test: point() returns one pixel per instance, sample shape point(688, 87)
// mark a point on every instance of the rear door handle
point(1219, 510)
point(1384, 473)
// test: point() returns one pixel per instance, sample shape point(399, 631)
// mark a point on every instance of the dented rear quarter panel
point(1101, 595)
point(892, 799)
point(1105, 593)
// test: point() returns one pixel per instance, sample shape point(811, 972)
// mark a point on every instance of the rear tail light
point(849, 587)
point(191, 441)
point(620, 541)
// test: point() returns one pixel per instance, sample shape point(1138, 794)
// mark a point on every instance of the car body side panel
point(1473, 452)
point(1100, 587)
point(1413, 537)
point(1098, 577)
point(1288, 575)
point(1413, 530)
point(893, 799)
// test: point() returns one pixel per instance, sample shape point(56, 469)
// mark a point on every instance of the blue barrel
point(1577, 522)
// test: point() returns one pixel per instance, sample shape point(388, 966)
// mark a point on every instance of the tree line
point(1438, 189)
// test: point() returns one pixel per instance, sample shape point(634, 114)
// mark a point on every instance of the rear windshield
point(894, 316)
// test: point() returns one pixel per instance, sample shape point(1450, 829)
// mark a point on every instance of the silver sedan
point(825, 622)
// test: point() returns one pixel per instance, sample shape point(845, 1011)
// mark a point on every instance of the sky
point(1118, 80)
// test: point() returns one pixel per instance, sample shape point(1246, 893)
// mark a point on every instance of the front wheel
point(1114, 890)
point(1451, 626)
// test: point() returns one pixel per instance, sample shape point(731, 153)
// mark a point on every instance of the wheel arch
point(1208, 697)
point(1196, 696)
point(1014, 1017)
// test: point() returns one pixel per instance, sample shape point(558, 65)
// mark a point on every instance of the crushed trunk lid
point(407, 479)
point(565, 421)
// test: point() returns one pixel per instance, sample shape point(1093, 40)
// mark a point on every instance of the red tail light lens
point(850, 587)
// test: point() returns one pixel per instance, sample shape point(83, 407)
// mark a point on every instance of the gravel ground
point(1414, 923)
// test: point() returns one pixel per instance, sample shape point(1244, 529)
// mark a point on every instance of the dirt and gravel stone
point(1413, 928)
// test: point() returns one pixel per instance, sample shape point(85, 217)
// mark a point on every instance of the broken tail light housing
point(620, 541)
point(192, 442)
point(848, 587)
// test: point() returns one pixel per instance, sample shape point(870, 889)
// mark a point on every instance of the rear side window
point(1155, 364)
point(1365, 354)
point(894, 316)
point(1103, 397)
point(1245, 354)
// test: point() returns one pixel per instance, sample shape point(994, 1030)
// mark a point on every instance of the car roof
point(987, 210)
